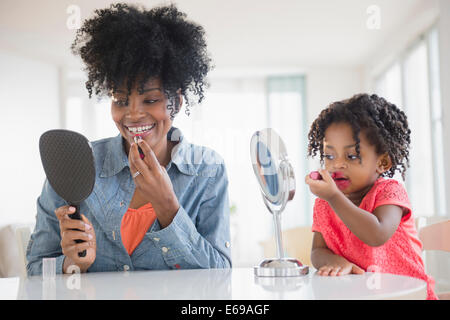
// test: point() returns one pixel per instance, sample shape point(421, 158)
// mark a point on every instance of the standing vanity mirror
point(277, 183)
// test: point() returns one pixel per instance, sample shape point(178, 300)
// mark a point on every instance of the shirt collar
point(116, 159)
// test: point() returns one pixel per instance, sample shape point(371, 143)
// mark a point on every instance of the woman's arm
point(184, 243)
point(205, 243)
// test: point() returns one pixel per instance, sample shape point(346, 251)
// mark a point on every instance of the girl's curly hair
point(125, 45)
point(384, 124)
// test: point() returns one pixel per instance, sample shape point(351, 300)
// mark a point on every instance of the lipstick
point(137, 138)
point(315, 175)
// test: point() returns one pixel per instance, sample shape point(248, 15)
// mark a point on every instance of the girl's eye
point(329, 156)
point(352, 157)
point(150, 101)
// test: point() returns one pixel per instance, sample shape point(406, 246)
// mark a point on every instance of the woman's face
point(146, 114)
point(351, 173)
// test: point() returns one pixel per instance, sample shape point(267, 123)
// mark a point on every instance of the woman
point(164, 209)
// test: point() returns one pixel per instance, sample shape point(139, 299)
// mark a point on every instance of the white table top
point(211, 284)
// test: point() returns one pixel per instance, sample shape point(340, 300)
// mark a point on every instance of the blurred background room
point(277, 64)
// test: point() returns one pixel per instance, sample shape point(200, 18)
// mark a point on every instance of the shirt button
point(164, 249)
point(121, 203)
point(126, 267)
point(227, 244)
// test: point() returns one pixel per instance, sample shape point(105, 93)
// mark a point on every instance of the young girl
point(362, 221)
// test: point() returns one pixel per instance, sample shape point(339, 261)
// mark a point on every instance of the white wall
point(327, 84)
point(29, 106)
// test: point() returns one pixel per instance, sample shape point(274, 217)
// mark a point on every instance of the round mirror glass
point(267, 170)
point(272, 168)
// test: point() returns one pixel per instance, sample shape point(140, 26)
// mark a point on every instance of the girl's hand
point(325, 188)
point(83, 231)
point(339, 267)
point(153, 183)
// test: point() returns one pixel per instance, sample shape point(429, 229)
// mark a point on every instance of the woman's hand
point(153, 183)
point(339, 266)
point(85, 231)
point(325, 188)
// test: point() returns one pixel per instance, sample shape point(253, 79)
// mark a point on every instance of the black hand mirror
point(277, 183)
point(68, 162)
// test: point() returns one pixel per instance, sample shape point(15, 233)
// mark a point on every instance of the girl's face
point(146, 115)
point(341, 160)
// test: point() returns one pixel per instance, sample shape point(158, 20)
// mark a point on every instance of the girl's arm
point(320, 254)
point(374, 229)
point(328, 263)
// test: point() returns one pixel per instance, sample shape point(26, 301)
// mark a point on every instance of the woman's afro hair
point(125, 45)
point(383, 123)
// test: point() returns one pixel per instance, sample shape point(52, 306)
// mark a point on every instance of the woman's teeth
point(140, 129)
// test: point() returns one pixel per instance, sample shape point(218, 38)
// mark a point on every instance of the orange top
point(135, 224)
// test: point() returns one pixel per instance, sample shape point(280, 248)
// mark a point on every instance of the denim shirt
point(198, 236)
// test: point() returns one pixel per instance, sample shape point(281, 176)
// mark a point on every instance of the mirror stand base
point(284, 267)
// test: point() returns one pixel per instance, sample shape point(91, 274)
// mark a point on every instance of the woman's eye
point(118, 102)
point(121, 103)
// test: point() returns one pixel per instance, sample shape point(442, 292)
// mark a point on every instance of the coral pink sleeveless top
point(401, 254)
point(135, 224)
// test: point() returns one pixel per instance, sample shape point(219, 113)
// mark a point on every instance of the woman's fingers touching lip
point(151, 159)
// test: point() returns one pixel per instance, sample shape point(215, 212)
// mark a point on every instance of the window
point(416, 102)
point(436, 122)
point(287, 116)
point(412, 83)
point(104, 125)
point(390, 85)
point(74, 114)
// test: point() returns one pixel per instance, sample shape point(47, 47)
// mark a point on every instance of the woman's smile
point(142, 130)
